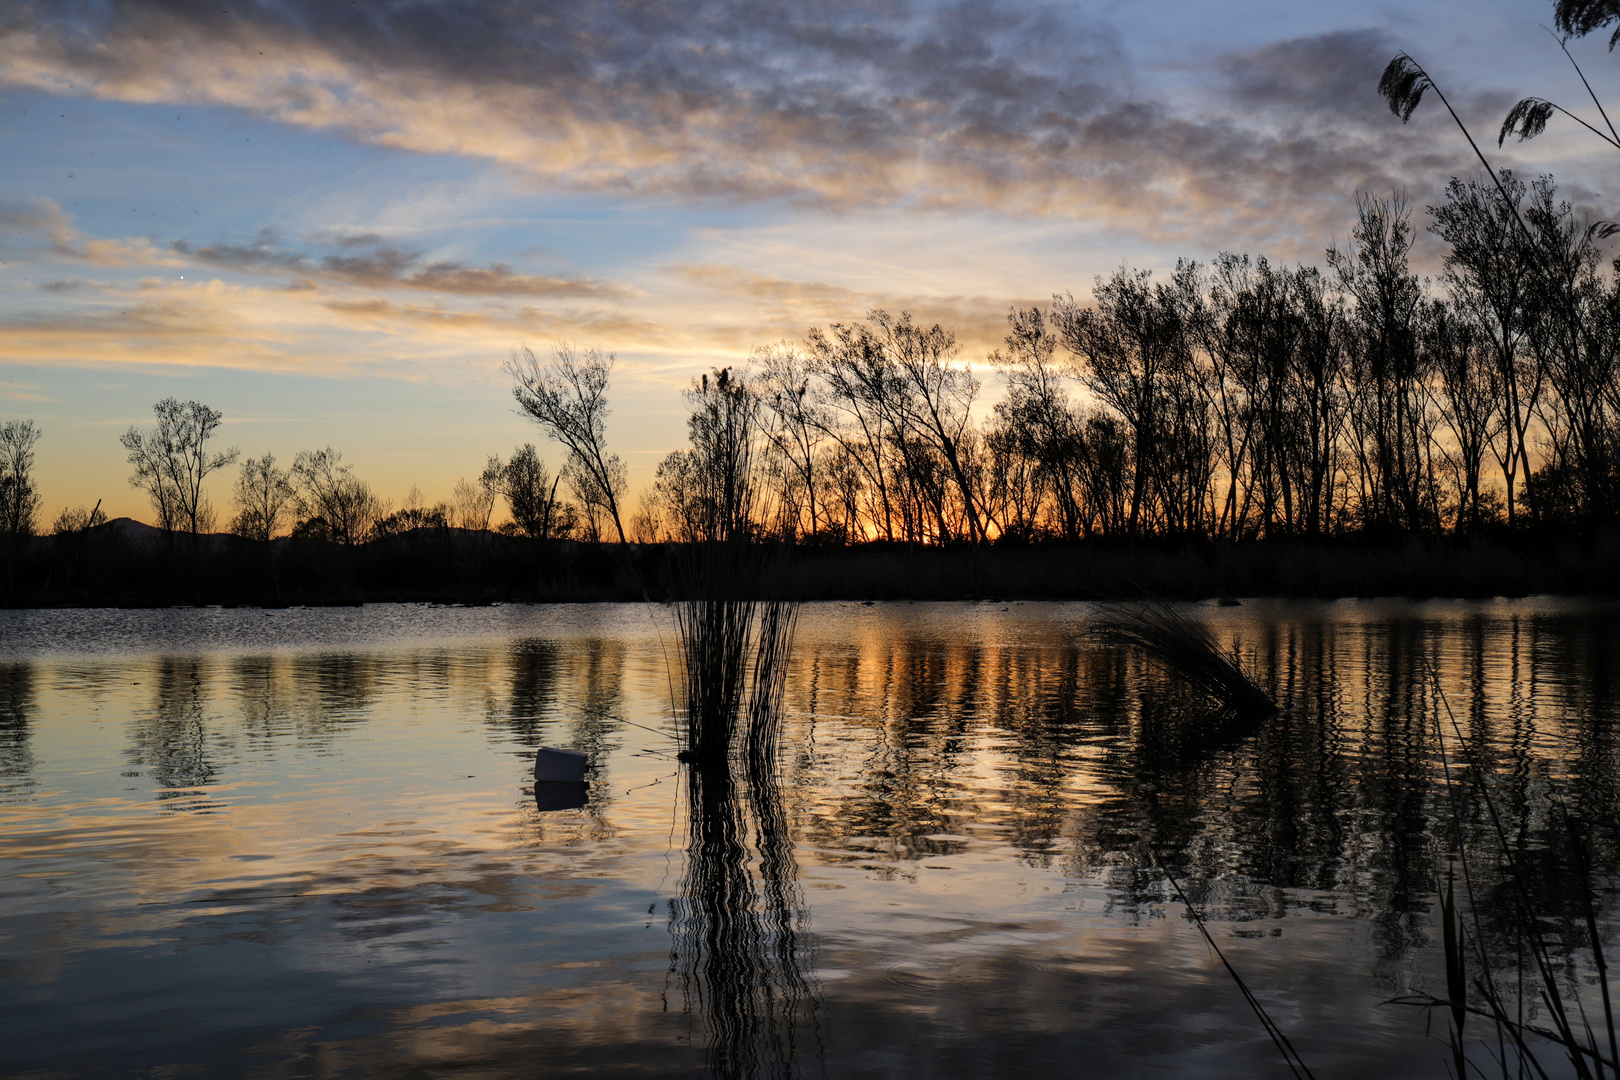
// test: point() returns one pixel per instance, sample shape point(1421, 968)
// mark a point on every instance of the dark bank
point(124, 563)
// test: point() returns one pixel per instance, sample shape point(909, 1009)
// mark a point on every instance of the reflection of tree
point(314, 697)
point(601, 675)
point(16, 707)
point(741, 949)
point(535, 664)
point(172, 741)
point(914, 700)
point(1035, 708)
point(344, 685)
point(264, 698)
point(1100, 764)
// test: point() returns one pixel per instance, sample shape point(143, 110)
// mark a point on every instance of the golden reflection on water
point(331, 856)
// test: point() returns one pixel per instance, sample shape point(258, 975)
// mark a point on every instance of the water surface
point(304, 841)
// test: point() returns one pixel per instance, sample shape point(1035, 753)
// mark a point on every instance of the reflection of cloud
point(982, 105)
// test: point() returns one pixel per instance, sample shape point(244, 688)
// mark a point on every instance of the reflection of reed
point(741, 949)
point(16, 705)
point(731, 644)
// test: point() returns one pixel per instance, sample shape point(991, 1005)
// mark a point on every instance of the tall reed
point(1590, 1048)
point(735, 649)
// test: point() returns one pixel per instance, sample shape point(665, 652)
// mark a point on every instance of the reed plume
point(1184, 647)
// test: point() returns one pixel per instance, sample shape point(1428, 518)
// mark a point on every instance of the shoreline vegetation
point(1238, 429)
point(1232, 428)
point(126, 563)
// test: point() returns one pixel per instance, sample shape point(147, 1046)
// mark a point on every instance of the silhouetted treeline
point(1238, 400)
point(1353, 406)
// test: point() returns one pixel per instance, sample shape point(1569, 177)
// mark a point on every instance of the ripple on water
point(263, 825)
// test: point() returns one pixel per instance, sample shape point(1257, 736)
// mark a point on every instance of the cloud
point(64, 286)
point(779, 309)
point(40, 225)
point(365, 261)
point(19, 391)
point(1330, 76)
point(35, 219)
point(166, 323)
point(807, 301)
point(984, 105)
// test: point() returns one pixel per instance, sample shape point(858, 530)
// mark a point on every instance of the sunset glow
point(334, 222)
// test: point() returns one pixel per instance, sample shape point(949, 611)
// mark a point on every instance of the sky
point(334, 222)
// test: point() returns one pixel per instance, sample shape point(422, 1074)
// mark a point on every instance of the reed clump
point(1185, 648)
point(735, 647)
point(1545, 975)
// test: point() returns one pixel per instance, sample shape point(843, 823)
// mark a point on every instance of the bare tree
point(899, 414)
point(859, 387)
point(78, 519)
point(332, 499)
point(530, 491)
point(1459, 351)
point(794, 423)
point(647, 523)
point(414, 515)
point(172, 462)
point(1036, 417)
point(1388, 399)
point(263, 493)
point(1491, 271)
point(567, 397)
point(936, 398)
point(1317, 367)
point(678, 495)
point(471, 505)
point(1134, 351)
point(19, 499)
point(1572, 337)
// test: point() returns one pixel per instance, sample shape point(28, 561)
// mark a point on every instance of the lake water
point(305, 842)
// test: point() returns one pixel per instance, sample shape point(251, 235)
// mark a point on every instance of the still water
point(306, 843)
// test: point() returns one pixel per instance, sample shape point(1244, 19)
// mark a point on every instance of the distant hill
point(140, 534)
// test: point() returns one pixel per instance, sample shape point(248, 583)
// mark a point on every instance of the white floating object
point(551, 764)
